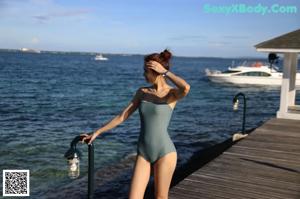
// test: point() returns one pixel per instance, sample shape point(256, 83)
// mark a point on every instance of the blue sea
point(49, 98)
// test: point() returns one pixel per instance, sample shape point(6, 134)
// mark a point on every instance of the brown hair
point(163, 58)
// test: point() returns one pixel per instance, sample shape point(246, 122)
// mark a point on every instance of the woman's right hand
point(88, 138)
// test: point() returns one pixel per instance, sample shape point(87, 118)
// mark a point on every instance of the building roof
point(289, 42)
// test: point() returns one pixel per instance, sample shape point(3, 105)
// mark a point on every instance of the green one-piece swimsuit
point(154, 141)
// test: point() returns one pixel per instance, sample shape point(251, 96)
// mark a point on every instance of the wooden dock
point(264, 165)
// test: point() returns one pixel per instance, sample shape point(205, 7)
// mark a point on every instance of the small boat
point(28, 50)
point(100, 57)
point(255, 73)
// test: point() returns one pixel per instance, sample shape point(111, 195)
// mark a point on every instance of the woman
point(156, 104)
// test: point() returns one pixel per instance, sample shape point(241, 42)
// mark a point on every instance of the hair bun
point(166, 55)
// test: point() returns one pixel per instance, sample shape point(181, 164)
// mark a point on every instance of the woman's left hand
point(154, 65)
point(88, 138)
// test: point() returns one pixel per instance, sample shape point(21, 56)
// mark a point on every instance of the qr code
point(15, 182)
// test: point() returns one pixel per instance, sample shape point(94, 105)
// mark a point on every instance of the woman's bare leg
point(140, 178)
point(163, 173)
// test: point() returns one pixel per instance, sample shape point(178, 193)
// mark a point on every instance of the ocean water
point(47, 99)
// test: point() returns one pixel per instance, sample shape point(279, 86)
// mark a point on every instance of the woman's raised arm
point(183, 87)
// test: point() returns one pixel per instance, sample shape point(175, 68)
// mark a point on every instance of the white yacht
point(100, 57)
point(255, 73)
point(28, 50)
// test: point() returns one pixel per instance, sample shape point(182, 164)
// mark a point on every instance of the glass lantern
point(236, 105)
point(74, 169)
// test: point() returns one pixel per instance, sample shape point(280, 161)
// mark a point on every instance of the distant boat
point(28, 50)
point(256, 73)
point(100, 57)
point(126, 55)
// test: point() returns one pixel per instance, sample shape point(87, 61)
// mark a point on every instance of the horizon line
point(140, 54)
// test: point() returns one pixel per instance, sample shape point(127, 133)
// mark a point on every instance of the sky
point(193, 28)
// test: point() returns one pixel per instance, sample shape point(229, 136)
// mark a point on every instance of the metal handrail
point(73, 150)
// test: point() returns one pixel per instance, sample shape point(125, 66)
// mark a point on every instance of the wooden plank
point(238, 154)
point(264, 153)
point(260, 181)
point(234, 188)
point(265, 159)
point(241, 184)
point(274, 132)
point(277, 124)
point(232, 157)
point(204, 193)
point(233, 180)
point(269, 145)
point(181, 193)
point(283, 122)
point(274, 139)
point(221, 190)
point(264, 165)
point(246, 168)
point(264, 149)
point(289, 123)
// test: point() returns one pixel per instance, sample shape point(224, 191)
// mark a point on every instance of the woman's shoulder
point(141, 89)
point(147, 88)
point(144, 89)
